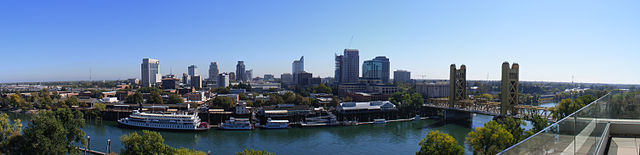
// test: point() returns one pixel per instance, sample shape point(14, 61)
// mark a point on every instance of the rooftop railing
point(582, 131)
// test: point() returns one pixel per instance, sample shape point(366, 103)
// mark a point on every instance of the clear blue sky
point(596, 41)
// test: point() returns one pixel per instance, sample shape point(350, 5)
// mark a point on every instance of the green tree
point(54, 132)
point(96, 112)
point(155, 98)
point(416, 100)
point(149, 143)
point(322, 88)
point(490, 139)
point(437, 143)
point(135, 98)
point(222, 90)
point(175, 99)
point(222, 102)
point(8, 133)
point(539, 123)
point(254, 152)
point(512, 125)
point(72, 101)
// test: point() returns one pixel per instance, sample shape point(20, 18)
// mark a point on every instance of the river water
point(390, 138)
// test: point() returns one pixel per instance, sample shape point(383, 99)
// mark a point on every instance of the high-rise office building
point(186, 79)
point(298, 66)
point(249, 74)
point(213, 71)
point(150, 69)
point(232, 76)
point(240, 72)
point(196, 81)
point(338, 69)
point(193, 70)
point(223, 80)
point(385, 68)
point(377, 69)
point(348, 66)
point(170, 83)
point(401, 76)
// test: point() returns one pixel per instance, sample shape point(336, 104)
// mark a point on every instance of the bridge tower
point(457, 84)
point(509, 89)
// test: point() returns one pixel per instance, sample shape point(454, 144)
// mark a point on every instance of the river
point(390, 138)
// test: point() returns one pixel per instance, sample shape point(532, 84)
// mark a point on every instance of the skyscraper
point(385, 68)
point(338, 70)
point(298, 66)
point(348, 66)
point(372, 69)
point(240, 72)
point(249, 75)
point(378, 69)
point(150, 69)
point(223, 80)
point(193, 70)
point(186, 79)
point(196, 82)
point(232, 76)
point(213, 71)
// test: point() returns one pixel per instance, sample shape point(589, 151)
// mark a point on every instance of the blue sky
point(596, 41)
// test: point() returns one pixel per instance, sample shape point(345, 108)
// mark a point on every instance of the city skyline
point(595, 42)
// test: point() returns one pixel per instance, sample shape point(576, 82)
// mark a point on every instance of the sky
point(551, 40)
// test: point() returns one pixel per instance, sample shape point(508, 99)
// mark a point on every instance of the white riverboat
point(276, 124)
point(236, 124)
point(186, 122)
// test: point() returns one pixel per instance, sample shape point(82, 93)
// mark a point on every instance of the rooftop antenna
point(90, 74)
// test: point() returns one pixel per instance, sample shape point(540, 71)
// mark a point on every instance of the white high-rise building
point(150, 69)
point(297, 66)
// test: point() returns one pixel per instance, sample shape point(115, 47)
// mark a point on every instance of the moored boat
point(185, 122)
point(236, 124)
point(276, 124)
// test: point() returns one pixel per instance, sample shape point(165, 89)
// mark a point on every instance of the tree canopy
point(151, 142)
point(437, 143)
point(54, 132)
point(490, 139)
point(222, 102)
point(175, 99)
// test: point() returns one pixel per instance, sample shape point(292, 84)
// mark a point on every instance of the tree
point(155, 98)
point(71, 101)
point(96, 112)
point(54, 132)
point(437, 143)
point(565, 108)
point(175, 99)
point(222, 102)
point(222, 90)
point(512, 125)
point(8, 133)
point(322, 88)
point(151, 143)
point(15, 100)
point(254, 152)
point(490, 139)
point(539, 123)
point(135, 98)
